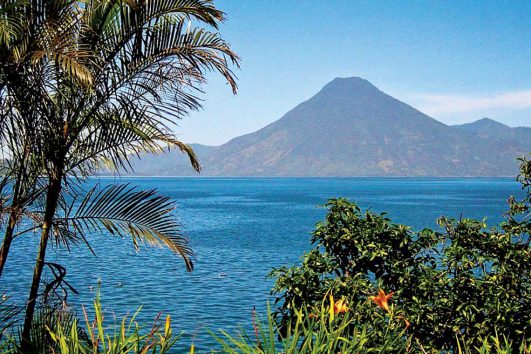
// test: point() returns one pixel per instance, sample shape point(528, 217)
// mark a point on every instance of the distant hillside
point(350, 128)
point(489, 128)
point(174, 163)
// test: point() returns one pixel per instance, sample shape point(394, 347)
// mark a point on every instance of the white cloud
point(445, 105)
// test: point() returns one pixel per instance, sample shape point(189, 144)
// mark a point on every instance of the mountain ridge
point(351, 128)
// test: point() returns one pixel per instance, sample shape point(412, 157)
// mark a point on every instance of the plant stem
point(54, 191)
point(6, 243)
point(13, 218)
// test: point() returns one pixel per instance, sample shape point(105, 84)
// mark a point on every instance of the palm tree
point(108, 79)
point(16, 134)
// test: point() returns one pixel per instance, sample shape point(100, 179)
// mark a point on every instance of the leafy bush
point(48, 315)
point(124, 337)
point(59, 331)
point(336, 329)
point(468, 281)
point(328, 329)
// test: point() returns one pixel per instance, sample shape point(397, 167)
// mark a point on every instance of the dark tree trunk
point(8, 238)
point(54, 191)
point(13, 219)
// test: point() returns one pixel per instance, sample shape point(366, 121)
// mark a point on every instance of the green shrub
point(49, 315)
point(123, 337)
point(324, 331)
point(57, 330)
point(321, 330)
point(494, 344)
point(468, 281)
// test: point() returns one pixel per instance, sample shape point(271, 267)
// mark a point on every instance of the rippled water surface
point(239, 229)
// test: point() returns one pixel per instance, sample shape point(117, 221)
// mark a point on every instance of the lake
point(239, 229)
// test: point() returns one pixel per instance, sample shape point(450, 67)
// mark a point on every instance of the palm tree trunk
point(13, 217)
point(8, 238)
point(54, 191)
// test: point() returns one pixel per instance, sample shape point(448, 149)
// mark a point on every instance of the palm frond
point(116, 135)
point(11, 22)
point(8, 316)
point(56, 42)
point(149, 48)
point(123, 210)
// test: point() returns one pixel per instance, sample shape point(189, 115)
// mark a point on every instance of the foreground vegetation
point(465, 285)
point(368, 286)
point(331, 328)
point(335, 329)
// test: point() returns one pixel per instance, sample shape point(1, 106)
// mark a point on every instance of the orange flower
point(406, 322)
point(340, 306)
point(382, 299)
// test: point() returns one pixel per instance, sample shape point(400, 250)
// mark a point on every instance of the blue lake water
point(241, 228)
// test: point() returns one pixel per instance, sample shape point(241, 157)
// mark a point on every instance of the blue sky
point(456, 61)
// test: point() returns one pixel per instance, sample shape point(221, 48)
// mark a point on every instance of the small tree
point(465, 284)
